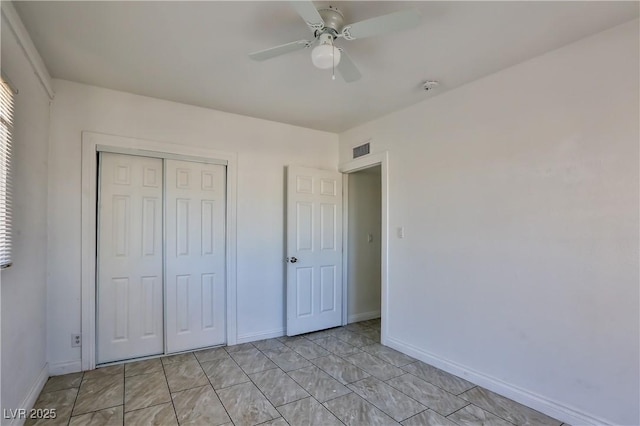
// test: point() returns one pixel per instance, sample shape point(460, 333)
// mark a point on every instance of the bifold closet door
point(130, 259)
point(195, 254)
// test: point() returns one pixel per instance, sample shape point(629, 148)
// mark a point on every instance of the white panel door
point(130, 258)
point(314, 249)
point(195, 255)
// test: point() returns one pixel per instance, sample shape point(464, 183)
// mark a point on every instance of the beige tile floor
point(332, 377)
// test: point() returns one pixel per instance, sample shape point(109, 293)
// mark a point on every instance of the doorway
point(364, 235)
point(380, 159)
point(299, 212)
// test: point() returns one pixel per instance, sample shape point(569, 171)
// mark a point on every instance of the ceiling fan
point(327, 25)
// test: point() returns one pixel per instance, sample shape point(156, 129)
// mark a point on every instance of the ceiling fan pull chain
point(333, 59)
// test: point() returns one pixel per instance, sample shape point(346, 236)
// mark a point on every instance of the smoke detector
point(429, 85)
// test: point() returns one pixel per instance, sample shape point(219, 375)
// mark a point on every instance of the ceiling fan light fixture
point(325, 55)
point(327, 24)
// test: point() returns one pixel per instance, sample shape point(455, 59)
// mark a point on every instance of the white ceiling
point(196, 52)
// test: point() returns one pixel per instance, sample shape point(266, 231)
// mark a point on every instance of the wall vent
point(361, 150)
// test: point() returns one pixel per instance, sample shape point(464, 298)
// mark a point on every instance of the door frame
point(381, 159)
point(92, 143)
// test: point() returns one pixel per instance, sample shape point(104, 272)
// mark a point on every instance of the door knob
point(293, 260)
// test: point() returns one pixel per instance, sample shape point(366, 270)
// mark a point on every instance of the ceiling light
point(325, 55)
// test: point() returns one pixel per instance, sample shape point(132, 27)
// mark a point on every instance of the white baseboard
point(67, 367)
point(543, 404)
point(31, 397)
point(252, 337)
point(363, 316)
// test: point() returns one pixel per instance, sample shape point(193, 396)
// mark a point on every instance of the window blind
point(6, 126)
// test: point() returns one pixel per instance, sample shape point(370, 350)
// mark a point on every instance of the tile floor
point(332, 377)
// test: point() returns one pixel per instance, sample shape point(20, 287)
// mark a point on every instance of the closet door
point(195, 254)
point(130, 258)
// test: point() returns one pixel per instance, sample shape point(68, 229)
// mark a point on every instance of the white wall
point(519, 197)
point(24, 362)
point(365, 217)
point(263, 148)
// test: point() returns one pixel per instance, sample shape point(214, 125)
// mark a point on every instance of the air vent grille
point(361, 150)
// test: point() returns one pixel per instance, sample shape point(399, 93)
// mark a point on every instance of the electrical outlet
point(76, 341)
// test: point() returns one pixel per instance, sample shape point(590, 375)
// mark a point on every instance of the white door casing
point(314, 249)
point(195, 255)
point(130, 258)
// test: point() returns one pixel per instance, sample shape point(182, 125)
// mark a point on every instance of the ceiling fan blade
point(382, 24)
point(279, 50)
point(347, 68)
point(309, 13)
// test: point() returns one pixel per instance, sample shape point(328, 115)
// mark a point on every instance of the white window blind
point(6, 126)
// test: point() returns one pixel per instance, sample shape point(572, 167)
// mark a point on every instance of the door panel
point(129, 288)
point(195, 258)
point(327, 288)
point(314, 239)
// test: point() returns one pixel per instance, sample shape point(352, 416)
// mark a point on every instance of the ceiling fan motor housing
point(333, 21)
